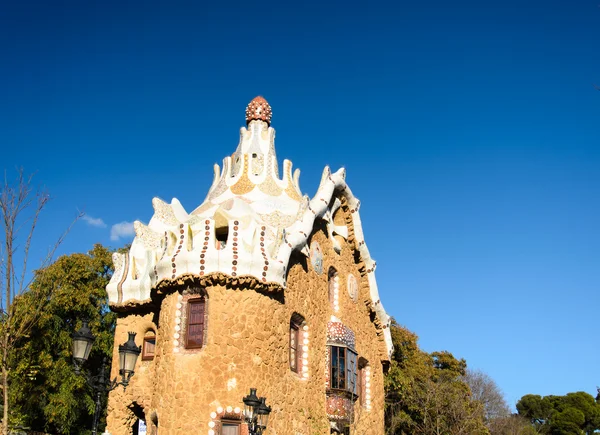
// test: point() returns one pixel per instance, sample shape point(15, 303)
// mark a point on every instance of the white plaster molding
point(266, 220)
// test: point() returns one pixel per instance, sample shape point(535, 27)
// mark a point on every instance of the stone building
point(257, 287)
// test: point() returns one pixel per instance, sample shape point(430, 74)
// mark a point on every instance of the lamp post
point(256, 412)
point(83, 339)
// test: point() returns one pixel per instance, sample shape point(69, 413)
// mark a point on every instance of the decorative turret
point(245, 230)
point(251, 175)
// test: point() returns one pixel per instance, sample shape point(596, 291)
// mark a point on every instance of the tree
point(571, 414)
point(426, 393)
point(485, 391)
point(54, 399)
point(534, 409)
point(20, 209)
point(512, 424)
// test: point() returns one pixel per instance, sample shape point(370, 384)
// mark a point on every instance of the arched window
point(333, 287)
point(363, 383)
point(298, 356)
point(138, 419)
point(153, 423)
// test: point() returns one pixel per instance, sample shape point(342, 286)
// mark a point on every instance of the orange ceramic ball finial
point(258, 109)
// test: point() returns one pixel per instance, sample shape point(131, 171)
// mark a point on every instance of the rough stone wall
point(354, 315)
point(247, 345)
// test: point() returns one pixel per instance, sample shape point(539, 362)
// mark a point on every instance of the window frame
point(343, 376)
point(294, 351)
point(201, 301)
point(361, 387)
point(233, 423)
point(297, 325)
point(146, 355)
point(333, 287)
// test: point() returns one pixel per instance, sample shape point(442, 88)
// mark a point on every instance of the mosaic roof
point(247, 227)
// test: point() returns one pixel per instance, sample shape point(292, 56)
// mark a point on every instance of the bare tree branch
point(42, 200)
point(17, 199)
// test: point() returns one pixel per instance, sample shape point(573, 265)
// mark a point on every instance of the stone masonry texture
point(247, 345)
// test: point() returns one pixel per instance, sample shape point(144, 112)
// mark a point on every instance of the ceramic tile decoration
point(259, 286)
point(316, 257)
point(352, 287)
point(249, 224)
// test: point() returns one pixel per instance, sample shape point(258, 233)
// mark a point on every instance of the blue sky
point(469, 131)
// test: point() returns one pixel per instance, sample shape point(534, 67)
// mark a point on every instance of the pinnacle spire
point(258, 109)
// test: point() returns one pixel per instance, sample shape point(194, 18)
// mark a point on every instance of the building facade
point(258, 287)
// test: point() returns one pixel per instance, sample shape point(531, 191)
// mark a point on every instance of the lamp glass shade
point(128, 354)
point(121, 360)
point(251, 401)
point(248, 412)
point(82, 343)
point(263, 420)
point(129, 360)
point(263, 412)
point(81, 349)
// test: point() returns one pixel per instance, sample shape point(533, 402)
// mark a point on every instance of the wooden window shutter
point(195, 324)
point(351, 371)
point(230, 428)
point(361, 388)
point(149, 347)
point(294, 347)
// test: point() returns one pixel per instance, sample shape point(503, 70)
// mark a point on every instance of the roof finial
point(258, 109)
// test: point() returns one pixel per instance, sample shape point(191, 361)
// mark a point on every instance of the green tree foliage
point(47, 393)
point(20, 208)
point(571, 414)
point(426, 392)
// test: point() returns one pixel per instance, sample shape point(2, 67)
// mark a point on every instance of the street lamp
point(256, 412)
point(100, 384)
point(82, 345)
